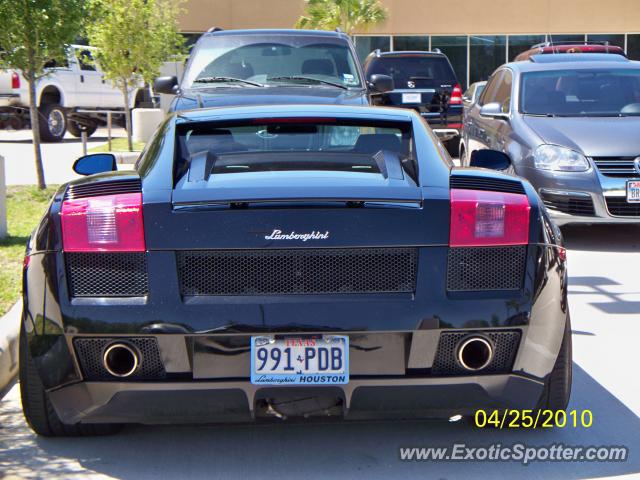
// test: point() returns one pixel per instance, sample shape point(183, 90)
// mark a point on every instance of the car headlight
point(554, 157)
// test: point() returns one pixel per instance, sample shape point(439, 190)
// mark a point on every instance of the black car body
point(250, 222)
point(265, 67)
point(424, 82)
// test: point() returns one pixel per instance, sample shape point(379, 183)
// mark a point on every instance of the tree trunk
point(35, 129)
point(127, 114)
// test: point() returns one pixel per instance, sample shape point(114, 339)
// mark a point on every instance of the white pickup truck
point(71, 97)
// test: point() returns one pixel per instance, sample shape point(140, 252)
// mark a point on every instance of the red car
point(571, 47)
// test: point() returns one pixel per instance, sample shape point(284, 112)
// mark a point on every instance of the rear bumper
point(239, 401)
point(9, 99)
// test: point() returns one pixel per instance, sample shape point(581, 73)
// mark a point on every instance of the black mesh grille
point(107, 274)
point(91, 350)
point(300, 271)
point(505, 346)
point(619, 207)
point(103, 188)
point(486, 268)
point(486, 183)
point(621, 167)
point(571, 204)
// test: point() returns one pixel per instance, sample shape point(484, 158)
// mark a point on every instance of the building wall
point(434, 16)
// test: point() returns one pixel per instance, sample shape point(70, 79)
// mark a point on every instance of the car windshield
point(261, 60)
point(414, 70)
point(354, 147)
point(581, 93)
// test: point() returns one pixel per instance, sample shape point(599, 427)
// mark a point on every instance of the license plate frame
point(411, 98)
point(633, 191)
point(300, 360)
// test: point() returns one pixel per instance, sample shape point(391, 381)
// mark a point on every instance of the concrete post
point(3, 201)
point(145, 121)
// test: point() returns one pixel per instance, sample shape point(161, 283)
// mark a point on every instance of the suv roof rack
point(215, 29)
point(578, 42)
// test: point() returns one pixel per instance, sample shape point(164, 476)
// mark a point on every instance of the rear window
point(295, 144)
point(417, 70)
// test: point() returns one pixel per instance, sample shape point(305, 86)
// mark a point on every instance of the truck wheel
point(76, 129)
point(53, 123)
point(557, 389)
point(38, 410)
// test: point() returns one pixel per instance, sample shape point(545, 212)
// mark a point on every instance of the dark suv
point(263, 67)
point(423, 81)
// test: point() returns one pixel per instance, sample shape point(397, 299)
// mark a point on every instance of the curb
point(9, 334)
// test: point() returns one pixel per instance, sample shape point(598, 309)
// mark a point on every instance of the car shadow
point(605, 288)
point(345, 450)
point(602, 238)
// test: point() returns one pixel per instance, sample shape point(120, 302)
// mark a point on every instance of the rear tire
point(53, 123)
point(38, 410)
point(76, 129)
point(557, 390)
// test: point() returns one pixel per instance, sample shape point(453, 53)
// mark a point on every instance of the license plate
point(411, 98)
point(300, 360)
point(633, 191)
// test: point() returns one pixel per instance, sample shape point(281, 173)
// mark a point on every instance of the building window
point(616, 39)
point(522, 43)
point(633, 46)
point(411, 43)
point(486, 54)
point(367, 44)
point(566, 37)
point(455, 48)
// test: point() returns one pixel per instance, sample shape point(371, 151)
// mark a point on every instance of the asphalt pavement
point(604, 266)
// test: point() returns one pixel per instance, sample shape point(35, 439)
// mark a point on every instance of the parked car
point(425, 82)
point(289, 262)
point(569, 124)
point(263, 67)
point(70, 96)
point(546, 48)
point(471, 95)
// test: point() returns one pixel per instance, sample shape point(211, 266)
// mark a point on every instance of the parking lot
point(605, 307)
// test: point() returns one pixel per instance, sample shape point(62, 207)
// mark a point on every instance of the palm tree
point(348, 15)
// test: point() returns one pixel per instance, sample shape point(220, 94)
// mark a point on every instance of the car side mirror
point(166, 85)
point(493, 110)
point(379, 83)
point(95, 163)
point(491, 159)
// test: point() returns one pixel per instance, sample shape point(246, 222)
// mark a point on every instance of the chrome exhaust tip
point(120, 360)
point(475, 353)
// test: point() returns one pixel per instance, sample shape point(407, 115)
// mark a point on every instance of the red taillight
point(456, 96)
point(480, 218)
point(15, 80)
point(110, 223)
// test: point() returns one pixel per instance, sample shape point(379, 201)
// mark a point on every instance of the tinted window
point(266, 59)
point(486, 54)
point(489, 93)
point(597, 92)
point(455, 48)
point(365, 45)
point(296, 145)
point(503, 91)
point(422, 71)
point(411, 43)
point(521, 43)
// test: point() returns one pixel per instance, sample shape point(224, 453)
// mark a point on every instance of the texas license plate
point(300, 360)
point(411, 97)
point(633, 191)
